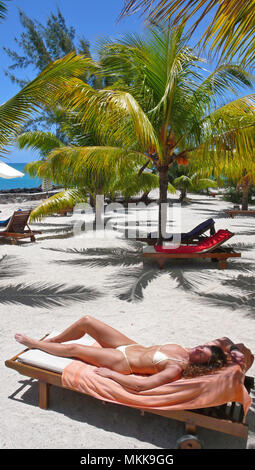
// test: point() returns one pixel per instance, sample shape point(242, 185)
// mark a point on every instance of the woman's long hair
point(216, 362)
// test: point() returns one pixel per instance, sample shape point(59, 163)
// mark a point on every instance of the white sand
point(187, 303)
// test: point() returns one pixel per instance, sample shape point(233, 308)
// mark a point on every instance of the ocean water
point(25, 182)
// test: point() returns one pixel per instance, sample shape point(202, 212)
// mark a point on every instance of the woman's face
point(200, 354)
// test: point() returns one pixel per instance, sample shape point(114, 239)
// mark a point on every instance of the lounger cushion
point(199, 229)
point(3, 223)
point(195, 232)
point(41, 359)
point(206, 245)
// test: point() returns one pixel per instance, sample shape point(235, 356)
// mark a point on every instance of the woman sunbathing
point(120, 357)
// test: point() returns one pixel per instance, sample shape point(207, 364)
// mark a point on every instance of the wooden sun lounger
point(15, 229)
point(227, 418)
point(234, 212)
point(216, 253)
point(220, 256)
point(64, 212)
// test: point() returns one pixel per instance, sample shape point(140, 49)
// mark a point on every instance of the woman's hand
point(237, 357)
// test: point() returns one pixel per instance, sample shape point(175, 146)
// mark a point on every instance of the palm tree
point(231, 27)
point(185, 183)
point(237, 167)
point(245, 184)
point(172, 110)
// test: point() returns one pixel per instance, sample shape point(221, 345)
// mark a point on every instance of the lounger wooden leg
point(190, 428)
point(161, 262)
point(44, 395)
point(223, 264)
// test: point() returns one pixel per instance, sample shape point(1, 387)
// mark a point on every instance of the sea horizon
point(19, 183)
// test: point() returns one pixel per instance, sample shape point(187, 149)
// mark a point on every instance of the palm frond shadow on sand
point(45, 295)
point(233, 287)
point(225, 289)
point(11, 266)
point(241, 292)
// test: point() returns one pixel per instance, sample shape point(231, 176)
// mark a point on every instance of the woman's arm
point(230, 348)
point(139, 384)
point(224, 343)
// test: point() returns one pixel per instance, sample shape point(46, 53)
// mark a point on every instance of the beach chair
point(234, 212)
point(226, 417)
point(16, 227)
point(194, 235)
point(209, 248)
point(4, 223)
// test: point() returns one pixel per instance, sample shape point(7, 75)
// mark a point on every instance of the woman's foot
point(23, 339)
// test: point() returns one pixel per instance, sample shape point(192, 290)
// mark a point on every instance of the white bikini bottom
point(123, 350)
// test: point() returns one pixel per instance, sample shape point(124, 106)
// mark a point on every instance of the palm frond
point(63, 200)
point(40, 92)
point(230, 31)
point(44, 142)
point(133, 183)
point(121, 118)
point(228, 140)
point(3, 9)
point(222, 84)
point(94, 168)
point(183, 181)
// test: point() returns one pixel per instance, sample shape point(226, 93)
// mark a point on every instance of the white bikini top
point(160, 357)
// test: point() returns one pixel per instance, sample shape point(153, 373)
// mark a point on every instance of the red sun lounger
point(210, 247)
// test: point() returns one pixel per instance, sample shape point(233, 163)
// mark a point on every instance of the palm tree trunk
point(183, 194)
point(245, 197)
point(92, 200)
point(163, 186)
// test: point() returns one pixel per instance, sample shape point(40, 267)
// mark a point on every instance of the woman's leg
point(101, 357)
point(105, 335)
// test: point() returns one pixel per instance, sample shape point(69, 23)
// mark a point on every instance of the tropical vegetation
point(38, 94)
point(160, 105)
point(39, 45)
point(85, 184)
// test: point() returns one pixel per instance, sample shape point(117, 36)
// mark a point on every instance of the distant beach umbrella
point(8, 172)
